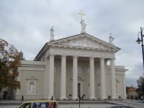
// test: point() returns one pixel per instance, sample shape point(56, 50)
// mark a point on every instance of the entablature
point(80, 53)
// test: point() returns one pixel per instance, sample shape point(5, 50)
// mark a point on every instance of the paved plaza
point(133, 103)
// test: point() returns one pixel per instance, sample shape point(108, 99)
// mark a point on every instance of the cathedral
point(76, 66)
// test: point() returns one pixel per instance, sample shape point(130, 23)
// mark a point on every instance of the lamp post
point(140, 41)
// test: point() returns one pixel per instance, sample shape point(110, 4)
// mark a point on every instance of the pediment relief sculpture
point(84, 43)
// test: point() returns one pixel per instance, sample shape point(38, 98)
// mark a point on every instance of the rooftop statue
point(111, 39)
point(83, 26)
point(52, 33)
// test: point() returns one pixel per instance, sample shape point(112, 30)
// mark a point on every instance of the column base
point(124, 97)
point(75, 98)
point(63, 98)
point(114, 98)
point(92, 98)
point(103, 98)
point(49, 98)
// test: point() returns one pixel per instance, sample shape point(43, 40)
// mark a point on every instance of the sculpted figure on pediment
point(86, 43)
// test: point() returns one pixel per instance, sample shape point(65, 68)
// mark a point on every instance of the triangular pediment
point(84, 41)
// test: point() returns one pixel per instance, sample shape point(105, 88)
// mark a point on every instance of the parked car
point(40, 104)
point(121, 107)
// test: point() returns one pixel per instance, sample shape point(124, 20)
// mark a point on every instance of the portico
point(91, 63)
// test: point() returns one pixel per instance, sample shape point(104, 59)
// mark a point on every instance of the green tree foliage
point(9, 63)
point(140, 82)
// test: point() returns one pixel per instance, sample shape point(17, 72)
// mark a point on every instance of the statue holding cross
point(83, 25)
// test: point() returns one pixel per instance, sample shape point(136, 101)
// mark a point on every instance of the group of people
point(44, 105)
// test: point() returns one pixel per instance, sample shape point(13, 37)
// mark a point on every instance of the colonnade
point(75, 78)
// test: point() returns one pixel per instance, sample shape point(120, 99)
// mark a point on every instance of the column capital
point(50, 55)
point(63, 55)
point(91, 57)
point(103, 58)
point(75, 56)
point(112, 59)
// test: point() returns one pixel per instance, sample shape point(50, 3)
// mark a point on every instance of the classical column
point(113, 79)
point(124, 87)
point(46, 80)
point(63, 78)
point(75, 78)
point(51, 76)
point(92, 85)
point(102, 79)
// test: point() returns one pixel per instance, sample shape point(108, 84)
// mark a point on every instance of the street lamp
point(140, 41)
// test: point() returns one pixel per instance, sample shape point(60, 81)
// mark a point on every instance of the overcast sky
point(26, 25)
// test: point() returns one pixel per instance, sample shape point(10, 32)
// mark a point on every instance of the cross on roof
point(81, 14)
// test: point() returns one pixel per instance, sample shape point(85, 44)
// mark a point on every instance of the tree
point(140, 82)
point(9, 63)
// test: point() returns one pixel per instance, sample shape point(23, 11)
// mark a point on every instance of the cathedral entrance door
point(79, 90)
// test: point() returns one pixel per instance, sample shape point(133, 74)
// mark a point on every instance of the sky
point(26, 24)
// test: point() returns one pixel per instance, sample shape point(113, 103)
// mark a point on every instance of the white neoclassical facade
point(77, 65)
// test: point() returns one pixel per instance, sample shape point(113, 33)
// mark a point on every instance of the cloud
point(26, 25)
